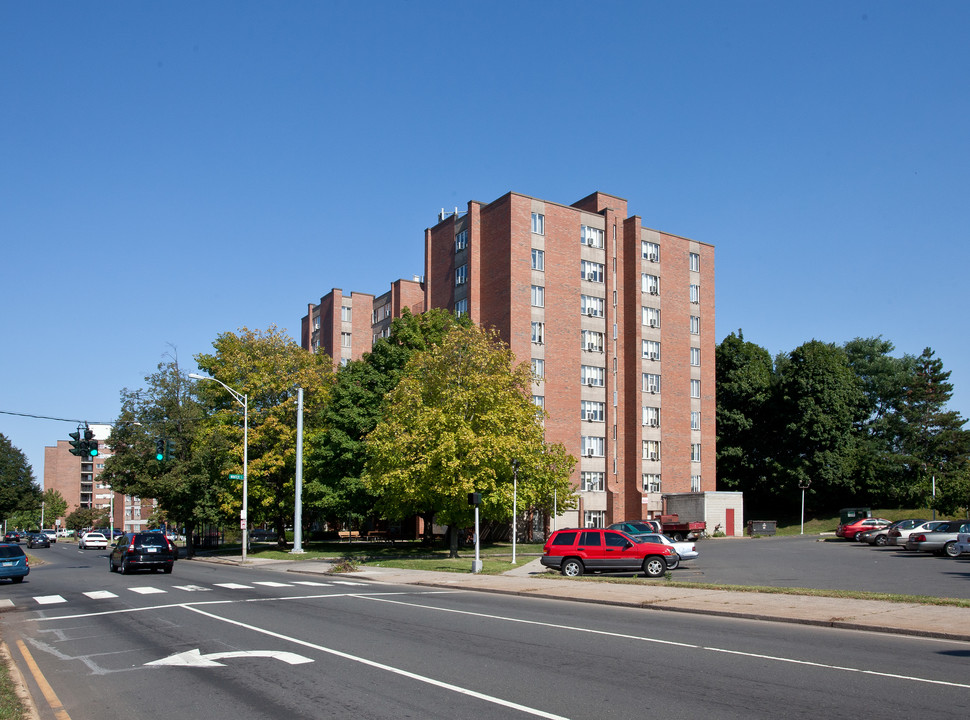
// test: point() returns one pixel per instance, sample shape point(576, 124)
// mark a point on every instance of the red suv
point(575, 551)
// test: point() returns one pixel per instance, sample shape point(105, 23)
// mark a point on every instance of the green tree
point(335, 454)
point(744, 404)
point(454, 423)
point(933, 445)
point(266, 367)
point(820, 400)
point(18, 489)
point(85, 518)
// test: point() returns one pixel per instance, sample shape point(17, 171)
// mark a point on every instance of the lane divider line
point(55, 703)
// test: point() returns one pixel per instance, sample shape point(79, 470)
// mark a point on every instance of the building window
point(650, 251)
point(591, 271)
point(461, 240)
point(538, 296)
point(539, 367)
point(695, 420)
point(538, 329)
point(461, 307)
point(538, 259)
point(345, 340)
point(591, 340)
point(591, 305)
point(651, 382)
point(594, 518)
point(695, 452)
point(592, 411)
point(539, 401)
point(651, 317)
point(316, 323)
point(651, 416)
point(592, 481)
point(461, 275)
point(651, 350)
point(590, 236)
point(538, 223)
point(695, 294)
point(695, 357)
point(345, 313)
point(695, 388)
point(695, 483)
point(695, 325)
point(651, 449)
point(592, 376)
point(695, 262)
point(593, 446)
point(649, 284)
point(651, 482)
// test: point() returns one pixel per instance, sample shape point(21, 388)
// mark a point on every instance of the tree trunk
point(189, 545)
point(452, 541)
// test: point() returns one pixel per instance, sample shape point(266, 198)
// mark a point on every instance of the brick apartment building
point(617, 319)
point(76, 478)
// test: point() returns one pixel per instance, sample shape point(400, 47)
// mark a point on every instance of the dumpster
point(762, 527)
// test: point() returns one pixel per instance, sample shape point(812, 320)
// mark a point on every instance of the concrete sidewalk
point(532, 580)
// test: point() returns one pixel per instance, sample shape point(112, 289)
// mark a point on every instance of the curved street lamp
point(243, 400)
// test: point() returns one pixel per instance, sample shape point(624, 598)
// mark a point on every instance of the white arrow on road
point(194, 658)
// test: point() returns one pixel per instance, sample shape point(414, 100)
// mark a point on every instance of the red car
point(574, 551)
point(850, 530)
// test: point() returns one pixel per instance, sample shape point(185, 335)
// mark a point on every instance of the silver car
point(899, 536)
point(940, 540)
point(684, 550)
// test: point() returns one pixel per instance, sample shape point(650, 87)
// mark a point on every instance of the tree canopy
point(18, 489)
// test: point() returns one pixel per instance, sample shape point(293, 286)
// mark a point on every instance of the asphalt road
point(296, 646)
point(812, 562)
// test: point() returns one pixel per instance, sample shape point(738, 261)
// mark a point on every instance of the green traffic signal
point(90, 446)
point(93, 448)
point(159, 449)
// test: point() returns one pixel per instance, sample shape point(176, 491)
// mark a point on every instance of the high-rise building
point(616, 319)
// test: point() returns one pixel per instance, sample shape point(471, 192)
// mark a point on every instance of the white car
point(962, 544)
point(93, 540)
point(685, 550)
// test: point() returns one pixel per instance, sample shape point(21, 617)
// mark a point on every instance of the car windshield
point(151, 539)
point(94, 536)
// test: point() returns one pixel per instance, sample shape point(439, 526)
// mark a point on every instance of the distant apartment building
point(76, 479)
point(617, 321)
point(346, 326)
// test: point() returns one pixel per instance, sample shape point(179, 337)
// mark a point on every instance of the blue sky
point(173, 170)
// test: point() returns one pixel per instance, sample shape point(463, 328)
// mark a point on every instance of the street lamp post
point(243, 400)
point(515, 493)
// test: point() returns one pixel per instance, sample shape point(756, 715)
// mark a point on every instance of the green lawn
point(375, 552)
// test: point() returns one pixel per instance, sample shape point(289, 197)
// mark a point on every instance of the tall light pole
point(515, 493)
point(243, 400)
point(298, 504)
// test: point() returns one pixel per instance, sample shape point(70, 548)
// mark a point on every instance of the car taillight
point(131, 546)
point(919, 538)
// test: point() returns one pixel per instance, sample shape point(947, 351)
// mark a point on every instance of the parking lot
point(811, 561)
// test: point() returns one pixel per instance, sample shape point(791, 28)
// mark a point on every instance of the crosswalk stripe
point(147, 590)
point(192, 588)
point(49, 599)
point(347, 582)
point(100, 594)
point(270, 583)
point(310, 583)
point(234, 586)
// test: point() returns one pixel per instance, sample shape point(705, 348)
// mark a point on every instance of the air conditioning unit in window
point(591, 276)
point(653, 391)
point(591, 382)
point(591, 346)
point(591, 416)
point(654, 257)
point(653, 423)
point(589, 453)
point(590, 242)
point(695, 301)
point(654, 291)
point(459, 281)
point(654, 323)
point(652, 456)
point(590, 312)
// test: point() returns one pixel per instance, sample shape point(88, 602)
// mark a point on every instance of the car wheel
point(572, 567)
point(18, 579)
point(654, 566)
point(881, 540)
point(167, 570)
point(673, 563)
point(678, 537)
point(950, 549)
point(124, 567)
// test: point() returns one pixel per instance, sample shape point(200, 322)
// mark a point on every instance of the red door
point(729, 522)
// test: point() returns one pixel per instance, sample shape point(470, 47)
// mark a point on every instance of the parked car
point(51, 534)
point(685, 550)
point(962, 544)
point(64, 532)
point(638, 529)
point(576, 550)
point(142, 551)
point(13, 562)
point(11, 537)
point(940, 541)
point(36, 540)
point(93, 540)
point(880, 536)
point(849, 530)
point(898, 536)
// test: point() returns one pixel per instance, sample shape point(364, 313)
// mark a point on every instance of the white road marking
point(311, 583)
point(347, 582)
point(270, 583)
point(6, 602)
point(234, 586)
point(148, 590)
point(49, 599)
point(100, 594)
point(194, 658)
point(381, 666)
point(192, 588)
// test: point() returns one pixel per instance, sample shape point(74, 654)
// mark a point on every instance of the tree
point(85, 518)
point(454, 423)
point(335, 454)
point(18, 490)
point(267, 367)
point(744, 403)
point(932, 445)
point(820, 400)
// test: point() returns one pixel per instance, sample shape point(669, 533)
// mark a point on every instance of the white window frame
point(591, 271)
point(591, 236)
point(650, 316)
point(695, 294)
point(538, 259)
point(695, 325)
point(593, 446)
point(651, 383)
point(461, 275)
point(695, 420)
point(346, 340)
point(592, 340)
point(650, 349)
point(695, 357)
point(592, 481)
point(652, 482)
point(592, 411)
point(538, 332)
point(538, 224)
point(695, 388)
point(695, 483)
point(594, 519)
point(649, 284)
point(346, 313)
point(461, 307)
point(538, 296)
point(650, 251)
point(539, 367)
point(592, 306)
point(651, 450)
point(461, 240)
point(651, 416)
point(695, 452)
point(592, 373)
point(695, 262)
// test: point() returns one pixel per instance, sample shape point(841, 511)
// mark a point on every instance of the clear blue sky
point(173, 170)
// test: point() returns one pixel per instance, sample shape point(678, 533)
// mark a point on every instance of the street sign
point(235, 477)
point(242, 523)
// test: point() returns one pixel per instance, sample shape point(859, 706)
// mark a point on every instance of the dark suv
point(139, 551)
point(574, 551)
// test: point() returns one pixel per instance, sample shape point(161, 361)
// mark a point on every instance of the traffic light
point(77, 444)
point(90, 444)
point(159, 449)
point(169, 449)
